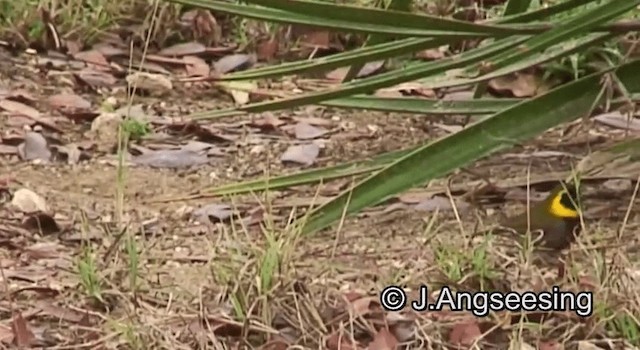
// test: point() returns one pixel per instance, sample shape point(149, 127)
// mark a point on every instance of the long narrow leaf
point(400, 20)
point(376, 82)
point(382, 51)
point(516, 124)
point(424, 106)
point(282, 16)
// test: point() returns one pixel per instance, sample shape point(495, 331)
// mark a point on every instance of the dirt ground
point(195, 284)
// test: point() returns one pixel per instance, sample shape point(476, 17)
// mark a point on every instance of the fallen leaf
point(6, 335)
point(433, 204)
point(28, 201)
point(196, 66)
point(234, 62)
point(213, 213)
point(383, 340)
point(59, 313)
point(183, 49)
point(361, 306)
point(315, 121)
point(304, 131)
point(23, 336)
point(44, 250)
point(368, 69)
point(266, 50)
point(303, 154)
point(173, 159)
point(20, 108)
point(95, 79)
point(109, 50)
point(34, 147)
point(67, 101)
point(465, 333)
point(618, 120)
point(93, 57)
point(149, 81)
point(6, 149)
point(267, 121)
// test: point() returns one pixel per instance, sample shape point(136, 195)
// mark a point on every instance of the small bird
point(556, 219)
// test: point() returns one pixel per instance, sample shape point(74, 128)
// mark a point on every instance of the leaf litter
point(187, 149)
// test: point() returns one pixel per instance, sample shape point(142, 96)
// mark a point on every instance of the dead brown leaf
point(8, 150)
point(368, 69)
point(303, 154)
point(23, 336)
point(618, 120)
point(362, 306)
point(304, 131)
point(93, 57)
point(109, 50)
point(267, 121)
point(69, 102)
point(234, 62)
point(6, 335)
point(267, 50)
point(20, 108)
point(95, 78)
point(465, 333)
point(184, 49)
point(383, 340)
point(65, 314)
point(196, 66)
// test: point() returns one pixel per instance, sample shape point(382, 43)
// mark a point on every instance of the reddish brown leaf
point(267, 49)
point(19, 108)
point(96, 78)
point(465, 333)
point(383, 340)
point(196, 66)
point(93, 57)
point(304, 131)
point(362, 306)
point(23, 336)
point(6, 335)
point(68, 102)
point(108, 50)
point(268, 121)
point(184, 49)
point(234, 62)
